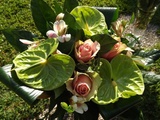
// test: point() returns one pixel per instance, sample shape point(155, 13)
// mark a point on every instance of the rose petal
point(85, 51)
point(82, 89)
point(117, 49)
point(96, 48)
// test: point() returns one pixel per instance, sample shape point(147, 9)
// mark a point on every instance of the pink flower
point(51, 34)
point(85, 51)
point(84, 85)
point(81, 85)
point(59, 30)
point(117, 49)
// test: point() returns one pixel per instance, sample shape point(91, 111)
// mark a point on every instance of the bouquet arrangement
point(79, 62)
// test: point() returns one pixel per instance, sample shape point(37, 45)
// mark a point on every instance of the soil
point(148, 37)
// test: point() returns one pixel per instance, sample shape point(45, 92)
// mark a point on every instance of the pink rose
point(81, 85)
point(84, 87)
point(117, 49)
point(85, 51)
point(84, 84)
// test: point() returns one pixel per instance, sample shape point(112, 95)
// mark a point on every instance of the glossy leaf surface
point(121, 79)
point(90, 20)
point(43, 15)
point(40, 69)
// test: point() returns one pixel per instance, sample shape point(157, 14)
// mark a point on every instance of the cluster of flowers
point(81, 86)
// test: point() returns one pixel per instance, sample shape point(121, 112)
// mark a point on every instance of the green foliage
point(151, 76)
point(90, 20)
point(151, 103)
point(115, 76)
point(127, 6)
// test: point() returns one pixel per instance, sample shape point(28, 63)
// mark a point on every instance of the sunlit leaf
point(39, 69)
point(90, 19)
point(121, 79)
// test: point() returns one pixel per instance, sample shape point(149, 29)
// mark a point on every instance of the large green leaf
point(69, 5)
point(106, 42)
point(43, 15)
point(150, 77)
point(90, 19)
point(28, 94)
point(121, 79)
point(107, 91)
point(113, 110)
point(13, 36)
point(40, 69)
point(149, 56)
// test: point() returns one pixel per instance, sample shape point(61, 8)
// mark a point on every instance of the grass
point(17, 14)
point(13, 107)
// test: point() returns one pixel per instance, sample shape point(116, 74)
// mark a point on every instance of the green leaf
point(39, 69)
point(58, 8)
point(150, 77)
point(127, 76)
point(107, 92)
point(67, 107)
point(113, 110)
point(90, 20)
point(69, 5)
point(13, 36)
point(121, 79)
point(149, 56)
point(71, 21)
point(43, 15)
point(111, 14)
point(28, 94)
point(104, 40)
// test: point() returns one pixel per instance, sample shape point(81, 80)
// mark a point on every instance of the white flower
point(59, 31)
point(32, 44)
point(60, 16)
point(78, 104)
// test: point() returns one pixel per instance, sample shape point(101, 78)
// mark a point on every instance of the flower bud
point(60, 27)
point(60, 16)
point(51, 34)
point(117, 48)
